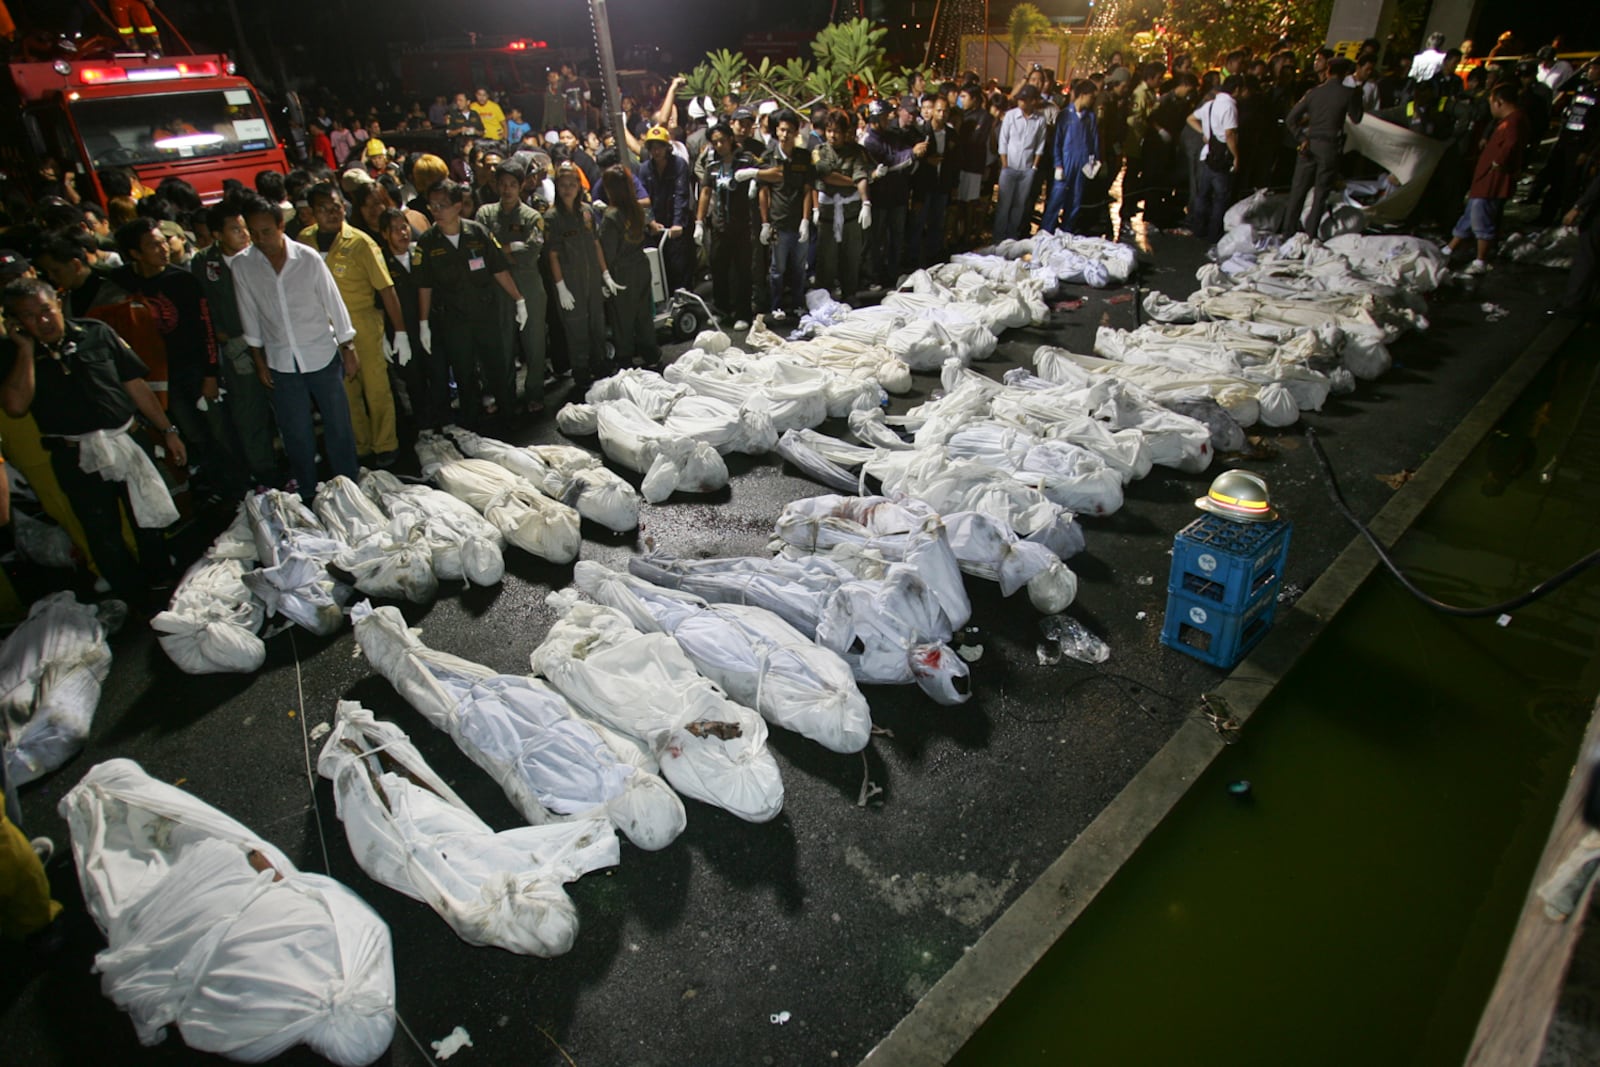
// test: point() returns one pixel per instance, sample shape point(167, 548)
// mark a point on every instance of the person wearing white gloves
point(1077, 146)
point(460, 267)
point(365, 287)
point(520, 231)
point(425, 375)
point(578, 268)
point(723, 222)
point(786, 200)
point(625, 231)
point(844, 207)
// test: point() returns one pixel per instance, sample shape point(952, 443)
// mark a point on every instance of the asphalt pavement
point(803, 940)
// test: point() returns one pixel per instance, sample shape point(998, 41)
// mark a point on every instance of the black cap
point(743, 113)
point(13, 263)
point(1028, 92)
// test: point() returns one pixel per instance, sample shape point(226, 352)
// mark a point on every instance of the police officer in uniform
point(459, 266)
point(520, 231)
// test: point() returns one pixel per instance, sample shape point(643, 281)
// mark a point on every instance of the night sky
point(344, 38)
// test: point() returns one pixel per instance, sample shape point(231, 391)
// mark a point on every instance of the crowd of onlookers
point(452, 261)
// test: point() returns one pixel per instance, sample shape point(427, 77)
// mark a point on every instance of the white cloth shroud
point(294, 549)
point(525, 516)
point(465, 545)
point(643, 685)
point(551, 763)
point(213, 930)
point(115, 456)
point(890, 630)
point(411, 832)
point(900, 529)
point(757, 658)
point(386, 558)
point(577, 478)
point(212, 622)
point(51, 669)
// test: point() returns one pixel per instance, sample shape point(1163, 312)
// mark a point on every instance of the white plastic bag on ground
point(757, 658)
point(409, 831)
point(550, 763)
point(51, 670)
point(643, 685)
point(213, 930)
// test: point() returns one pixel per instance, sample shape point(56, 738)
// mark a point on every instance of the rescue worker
point(892, 152)
point(133, 16)
point(722, 222)
point(578, 268)
point(364, 285)
point(426, 377)
point(460, 266)
point(520, 231)
point(1077, 145)
point(786, 197)
point(844, 209)
point(666, 181)
point(623, 232)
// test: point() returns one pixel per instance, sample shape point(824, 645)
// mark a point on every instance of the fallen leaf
point(1396, 480)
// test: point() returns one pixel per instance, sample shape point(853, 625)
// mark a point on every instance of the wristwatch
point(173, 430)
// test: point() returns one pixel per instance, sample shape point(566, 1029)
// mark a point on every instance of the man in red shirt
point(1493, 179)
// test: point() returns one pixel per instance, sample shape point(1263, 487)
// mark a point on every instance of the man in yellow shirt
point(364, 285)
point(494, 120)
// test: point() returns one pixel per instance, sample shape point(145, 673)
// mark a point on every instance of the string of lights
point(954, 20)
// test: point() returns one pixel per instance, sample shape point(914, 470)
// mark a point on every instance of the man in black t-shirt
point(183, 318)
point(787, 197)
point(76, 377)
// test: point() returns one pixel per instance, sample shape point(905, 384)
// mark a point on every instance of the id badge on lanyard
point(475, 261)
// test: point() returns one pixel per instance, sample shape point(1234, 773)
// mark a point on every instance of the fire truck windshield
point(164, 127)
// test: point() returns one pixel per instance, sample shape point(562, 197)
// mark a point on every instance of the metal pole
point(608, 72)
point(933, 27)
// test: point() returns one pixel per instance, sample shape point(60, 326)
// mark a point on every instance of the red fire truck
point(190, 117)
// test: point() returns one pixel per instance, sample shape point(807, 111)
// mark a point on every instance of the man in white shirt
point(1217, 120)
point(1553, 72)
point(1020, 145)
point(1426, 63)
point(302, 341)
point(1365, 78)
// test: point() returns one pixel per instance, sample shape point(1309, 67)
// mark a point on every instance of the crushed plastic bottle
point(1074, 639)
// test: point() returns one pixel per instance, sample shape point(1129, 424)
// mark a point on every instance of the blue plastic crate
point(1229, 564)
point(1197, 626)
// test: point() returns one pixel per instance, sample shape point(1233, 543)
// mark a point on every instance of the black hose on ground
point(1544, 588)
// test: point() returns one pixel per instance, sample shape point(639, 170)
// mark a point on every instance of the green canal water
point(1355, 910)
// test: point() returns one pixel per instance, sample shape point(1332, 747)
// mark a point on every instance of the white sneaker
point(1477, 266)
point(780, 315)
point(742, 324)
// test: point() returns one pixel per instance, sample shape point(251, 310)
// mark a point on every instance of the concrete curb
point(960, 1002)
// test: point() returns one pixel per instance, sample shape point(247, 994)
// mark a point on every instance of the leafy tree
point(1026, 23)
